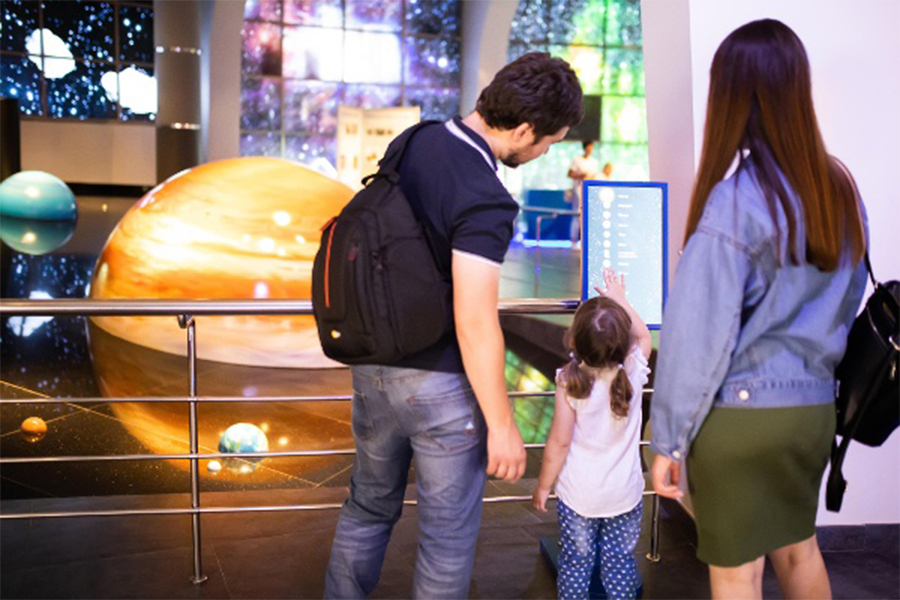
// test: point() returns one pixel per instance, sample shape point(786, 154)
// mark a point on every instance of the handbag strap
point(869, 269)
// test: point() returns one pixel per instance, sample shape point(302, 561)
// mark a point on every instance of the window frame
point(116, 63)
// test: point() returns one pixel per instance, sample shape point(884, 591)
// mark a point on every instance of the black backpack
point(868, 402)
point(377, 293)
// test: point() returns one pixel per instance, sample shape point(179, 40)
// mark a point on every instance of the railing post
point(187, 322)
point(653, 555)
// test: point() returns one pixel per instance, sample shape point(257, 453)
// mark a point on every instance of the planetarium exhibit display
point(242, 227)
point(171, 172)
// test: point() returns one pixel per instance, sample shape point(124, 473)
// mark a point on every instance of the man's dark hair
point(586, 143)
point(537, 89)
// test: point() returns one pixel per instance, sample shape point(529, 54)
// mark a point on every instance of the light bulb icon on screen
point(607, 196)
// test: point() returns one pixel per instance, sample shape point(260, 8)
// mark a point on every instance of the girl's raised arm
point(615, 290)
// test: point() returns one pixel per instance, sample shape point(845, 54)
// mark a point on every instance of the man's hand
point(506, 452)
point(664, 466)
point(539, 498)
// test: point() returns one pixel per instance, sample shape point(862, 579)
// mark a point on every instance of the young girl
point(593, 446)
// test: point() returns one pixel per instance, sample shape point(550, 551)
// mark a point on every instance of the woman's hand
point(615, 286)
point(663, 466)
point(539, 498)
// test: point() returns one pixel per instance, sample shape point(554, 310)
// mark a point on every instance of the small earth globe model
point(239, 438)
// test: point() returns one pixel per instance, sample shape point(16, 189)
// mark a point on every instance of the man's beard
point(511, 160)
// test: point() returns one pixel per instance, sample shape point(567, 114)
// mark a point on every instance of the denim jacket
point(743, 327)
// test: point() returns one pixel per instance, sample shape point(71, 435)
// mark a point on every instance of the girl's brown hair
point(600, 336)
point(760, 101)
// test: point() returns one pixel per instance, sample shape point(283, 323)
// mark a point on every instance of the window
point(602, 41)
point(81, 59)
point(301, 59)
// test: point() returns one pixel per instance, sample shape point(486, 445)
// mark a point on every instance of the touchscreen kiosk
point(624, 228)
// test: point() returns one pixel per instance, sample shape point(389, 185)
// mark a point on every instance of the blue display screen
point(624, 227)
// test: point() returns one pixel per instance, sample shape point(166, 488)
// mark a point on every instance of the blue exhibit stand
point(557, 228)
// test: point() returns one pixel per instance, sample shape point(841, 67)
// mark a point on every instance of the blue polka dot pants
point(610, 540)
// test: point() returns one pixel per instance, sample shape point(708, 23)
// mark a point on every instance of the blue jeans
point(584, 540)
point(397, 414)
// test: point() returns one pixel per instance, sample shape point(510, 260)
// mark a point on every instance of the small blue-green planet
point(239, 438)
point(37, 195)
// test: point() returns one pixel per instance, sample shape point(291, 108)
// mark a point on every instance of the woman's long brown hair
point(760, 101)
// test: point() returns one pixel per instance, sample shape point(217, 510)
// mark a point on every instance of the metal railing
point(185, 311)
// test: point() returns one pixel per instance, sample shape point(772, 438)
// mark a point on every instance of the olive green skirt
point(754, 477)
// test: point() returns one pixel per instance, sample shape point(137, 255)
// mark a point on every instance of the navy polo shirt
point(449, 176)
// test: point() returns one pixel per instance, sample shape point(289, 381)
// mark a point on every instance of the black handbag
point(868, 401)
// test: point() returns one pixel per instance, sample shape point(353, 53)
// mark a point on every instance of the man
point(583, 167)
point(448, 405)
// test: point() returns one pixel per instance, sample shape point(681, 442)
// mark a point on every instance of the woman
point(766, 290)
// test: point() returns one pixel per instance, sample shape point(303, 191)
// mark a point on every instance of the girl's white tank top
point(602, 475)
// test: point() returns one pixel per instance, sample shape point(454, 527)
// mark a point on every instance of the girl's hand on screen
point(615, 286)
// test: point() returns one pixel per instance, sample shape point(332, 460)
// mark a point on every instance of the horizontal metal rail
point(212, 510)
point(198, 455)
point(262, 306)
point(218, 399)
point(550, 211)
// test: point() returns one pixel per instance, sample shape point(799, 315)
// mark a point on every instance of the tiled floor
point(283, 554)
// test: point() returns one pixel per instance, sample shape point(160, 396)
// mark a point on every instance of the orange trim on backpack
point(328, 264)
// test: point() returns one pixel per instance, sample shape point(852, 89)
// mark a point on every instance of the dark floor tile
point(120, 502)
point(72, 540)
point(884, 539)
point(164, 574)
point(508, 514)
point(677, 575)
point(842, 538)
point(53, 541)
point(229, 527)
point(285, 566)
point(10, 581)
point(523, 487)
point(14, 536)
point(15, 506)
point(540, 531)
point(859, 575)
point(515, 554)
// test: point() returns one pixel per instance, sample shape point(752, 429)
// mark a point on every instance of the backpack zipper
point(333, 225)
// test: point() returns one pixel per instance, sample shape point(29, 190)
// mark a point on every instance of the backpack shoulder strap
point(390, 162)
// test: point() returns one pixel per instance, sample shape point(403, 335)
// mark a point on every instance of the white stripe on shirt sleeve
point(476, 257)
